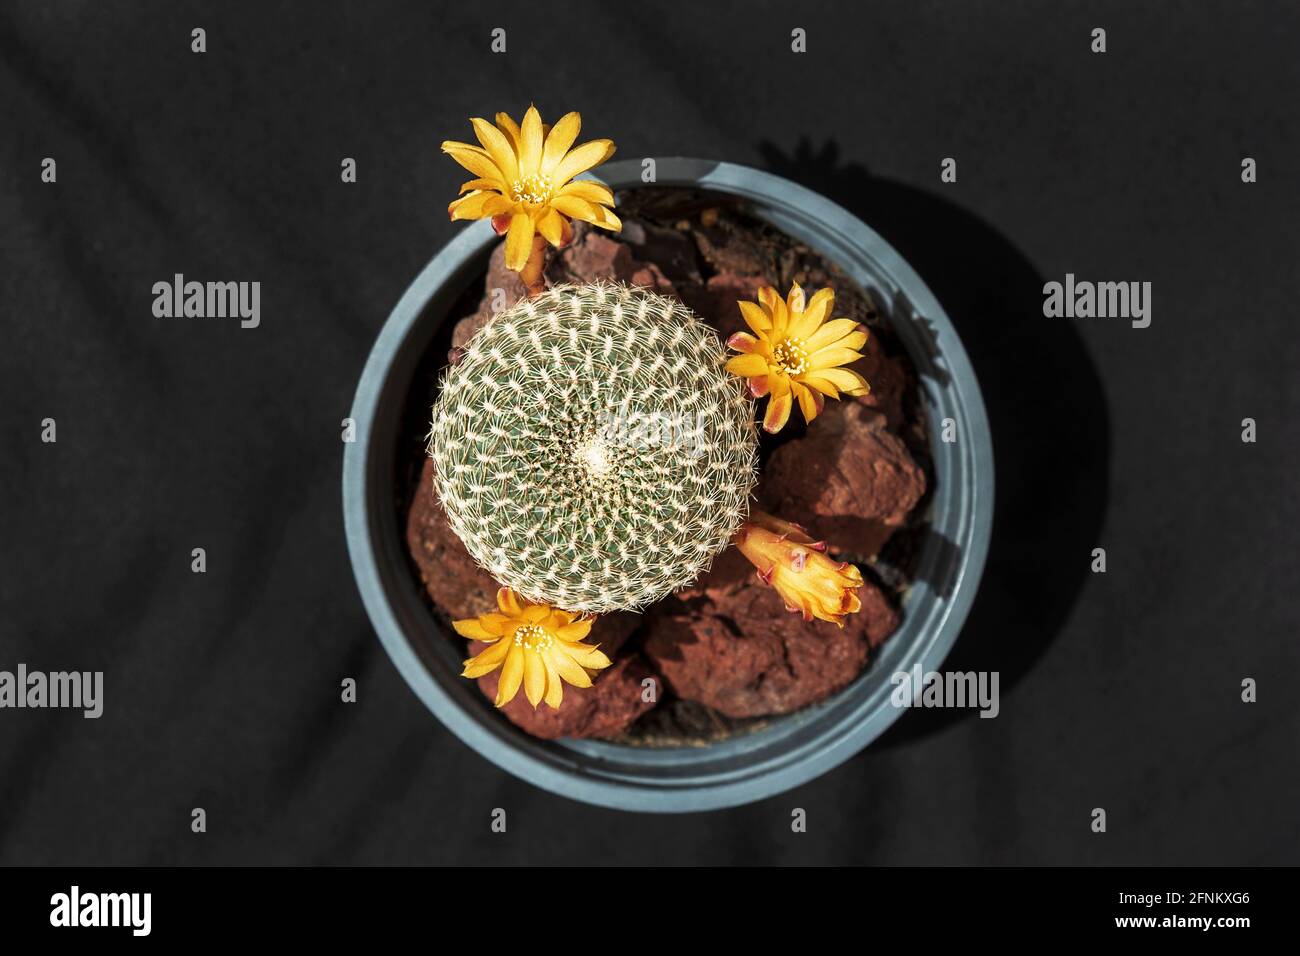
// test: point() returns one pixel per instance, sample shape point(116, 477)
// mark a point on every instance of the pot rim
point(797, 747)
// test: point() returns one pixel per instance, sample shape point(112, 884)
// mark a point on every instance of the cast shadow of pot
point(1046, 408)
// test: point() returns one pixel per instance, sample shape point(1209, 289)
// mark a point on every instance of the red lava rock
point(671, 250)
point(605, 709)
point(730, 572)
point(593, 256)
point(502, 289)
point(888, 379)
point(454, 582)
point(746, 656)
point(715, 301)
point(848, 481)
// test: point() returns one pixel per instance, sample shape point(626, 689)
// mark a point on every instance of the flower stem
point(533, 270)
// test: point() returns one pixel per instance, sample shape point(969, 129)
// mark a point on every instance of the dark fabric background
point(222, 690)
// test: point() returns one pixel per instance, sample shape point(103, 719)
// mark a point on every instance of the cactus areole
point(591, 451)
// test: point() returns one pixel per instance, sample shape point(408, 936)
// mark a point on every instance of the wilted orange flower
point(789, 560)
point(795, 353)
point(524, 181)
point(535, 645)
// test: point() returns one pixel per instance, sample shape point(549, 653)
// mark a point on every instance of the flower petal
point(747, 365)
point(810, 402)
point(758, 386)
point(530, 143)
point(486, 661)
point(829, 334)
point(607, 219)
point(576, 208)
point(847, 381)
point(569, 668)
point(778, 412)
point(477, 161)
point(575, 631)
point(508, 601)
point(512, 674)
point(582, 159)
point(480, 184)
point(742, 342)
point(559, 140)
point(551, 226)
point(498, 148)
point(554, 686)
point(482, 205)
point(593, 659)
point(534, 677)
point(795, 300)
point(831, 357)
point(825, 386)
point(474, 630)
point(510, 128)
point(814, 313)
point(519, 242)
point(755, 316)
point(588, 190)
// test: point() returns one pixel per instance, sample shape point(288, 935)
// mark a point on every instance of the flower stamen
point(790, 356)
point(533, 190)
point(531, 637)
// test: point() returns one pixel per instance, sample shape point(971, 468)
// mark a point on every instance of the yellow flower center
point(531, 190)
point(790, 356)
point(532, 637)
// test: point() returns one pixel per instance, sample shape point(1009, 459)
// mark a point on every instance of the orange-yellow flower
point(523, 183)
point(535, 645)
point(795, 354)
point(789, 560)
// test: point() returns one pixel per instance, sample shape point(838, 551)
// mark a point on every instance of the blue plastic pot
point(789, 750)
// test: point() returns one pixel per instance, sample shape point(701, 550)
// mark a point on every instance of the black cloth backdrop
point(1119, 690)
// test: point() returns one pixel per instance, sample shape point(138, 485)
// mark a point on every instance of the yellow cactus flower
point(524, 182)
point(535, 645)
point(789, 560)
point(795, 354)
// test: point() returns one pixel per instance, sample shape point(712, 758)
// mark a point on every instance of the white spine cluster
point(591, 451)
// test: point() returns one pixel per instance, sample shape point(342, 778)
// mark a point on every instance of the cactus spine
point(590, 450)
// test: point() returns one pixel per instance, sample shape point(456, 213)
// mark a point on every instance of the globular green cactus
point(590, 450)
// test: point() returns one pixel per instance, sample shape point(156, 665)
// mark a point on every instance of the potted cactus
point(596, 454)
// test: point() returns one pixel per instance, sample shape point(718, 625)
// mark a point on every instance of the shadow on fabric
point(1046, 407)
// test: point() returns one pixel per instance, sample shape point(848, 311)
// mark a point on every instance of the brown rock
point(605, 709)
point(669, 249)
point(593, 255)
point(729, 250)
point(887, 377)
point(454, 582)
point(498, 278)
point(746, 656)
point(715, 301)
point(848, 481)
point(730, 572)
